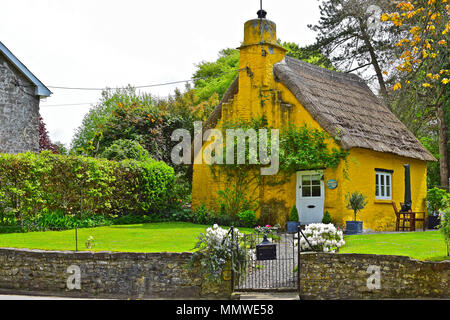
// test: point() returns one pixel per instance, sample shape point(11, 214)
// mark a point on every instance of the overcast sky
point(111, 43)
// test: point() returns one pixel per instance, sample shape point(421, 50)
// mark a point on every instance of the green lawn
point(428, 245)
point(151, 237)
point(181, 237)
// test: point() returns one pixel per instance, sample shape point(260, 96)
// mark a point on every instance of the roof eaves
point(41, 89)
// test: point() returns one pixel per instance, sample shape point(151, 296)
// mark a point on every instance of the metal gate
point(280, 273)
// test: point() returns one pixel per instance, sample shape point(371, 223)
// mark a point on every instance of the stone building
point(20, 93)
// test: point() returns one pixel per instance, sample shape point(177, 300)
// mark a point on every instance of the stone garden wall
point(167, 275)
point(365, 276)
point(105, 274)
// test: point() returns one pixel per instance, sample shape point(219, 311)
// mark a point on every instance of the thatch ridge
point(345, 107)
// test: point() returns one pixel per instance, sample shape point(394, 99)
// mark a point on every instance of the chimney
point(259, 52)
point(254, 34)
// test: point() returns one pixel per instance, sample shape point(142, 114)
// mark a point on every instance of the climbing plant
point(304, 147)
point(300, 147)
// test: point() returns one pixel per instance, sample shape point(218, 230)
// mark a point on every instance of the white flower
point(322, 237)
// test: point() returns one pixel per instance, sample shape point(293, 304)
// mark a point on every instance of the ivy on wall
point(300, 148)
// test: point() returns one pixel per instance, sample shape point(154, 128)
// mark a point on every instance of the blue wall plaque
point(332, 184)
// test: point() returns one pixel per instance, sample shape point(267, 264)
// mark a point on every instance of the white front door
point(310, 196)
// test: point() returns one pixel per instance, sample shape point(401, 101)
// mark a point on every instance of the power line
point(68, 104)
point(134, 87)
point(137, 87)
point(146, 86)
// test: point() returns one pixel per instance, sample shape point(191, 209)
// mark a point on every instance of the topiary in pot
point(356, 201)
point(293, 223)
point(327, 218)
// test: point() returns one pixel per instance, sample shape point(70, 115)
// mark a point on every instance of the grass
point(149, 237)
point(428, 245)
point(181, 237)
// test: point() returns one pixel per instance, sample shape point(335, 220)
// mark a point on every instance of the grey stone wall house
point(20, 93)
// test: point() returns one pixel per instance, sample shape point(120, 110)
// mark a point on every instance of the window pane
point(377, 185)
point(306, 180)
point(315, 180)
point(316, 191)
point(382, 179)
point(388, 185)
point(306, 191)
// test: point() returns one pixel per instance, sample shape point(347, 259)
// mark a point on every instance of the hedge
point(35, 183)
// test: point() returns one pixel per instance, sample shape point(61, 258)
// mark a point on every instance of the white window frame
point(384, 189)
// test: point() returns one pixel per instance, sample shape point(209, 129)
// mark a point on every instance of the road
point(20, 297)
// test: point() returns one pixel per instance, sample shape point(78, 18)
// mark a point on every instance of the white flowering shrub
point(215, 248)
point(322, 237)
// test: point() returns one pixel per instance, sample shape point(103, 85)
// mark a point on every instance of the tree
point(354, 42)
point(424, 62)
point(356, 201)
point(308, 54)
point(215, 77)
point(44, 139)
point(125, 149)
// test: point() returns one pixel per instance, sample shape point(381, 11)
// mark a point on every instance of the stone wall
point(365, 276)
point(105, 274)
point(19, 111)
point(168, 275)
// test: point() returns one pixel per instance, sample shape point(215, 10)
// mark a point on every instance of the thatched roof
point(344, 106)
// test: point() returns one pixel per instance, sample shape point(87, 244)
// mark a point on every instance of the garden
point(59, 202)
point(116, 189)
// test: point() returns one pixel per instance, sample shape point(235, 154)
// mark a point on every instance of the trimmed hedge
point(31, 184)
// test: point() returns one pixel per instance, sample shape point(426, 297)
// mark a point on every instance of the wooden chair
point(414, 218)
point(403, 218)
point(406, 220)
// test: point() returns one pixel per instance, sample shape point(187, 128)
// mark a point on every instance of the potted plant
point(356, 201)
point(437, 200)
point(327, 218)
point(293, 221)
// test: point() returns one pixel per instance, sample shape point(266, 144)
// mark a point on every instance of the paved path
point(270, 296)
point(273, 274)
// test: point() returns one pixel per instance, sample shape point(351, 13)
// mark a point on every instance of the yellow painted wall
point(259, 94)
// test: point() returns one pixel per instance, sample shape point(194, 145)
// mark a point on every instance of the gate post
point(298, 259)
point(232, 259)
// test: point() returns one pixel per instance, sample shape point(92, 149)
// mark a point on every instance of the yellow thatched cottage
point(295, 92)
